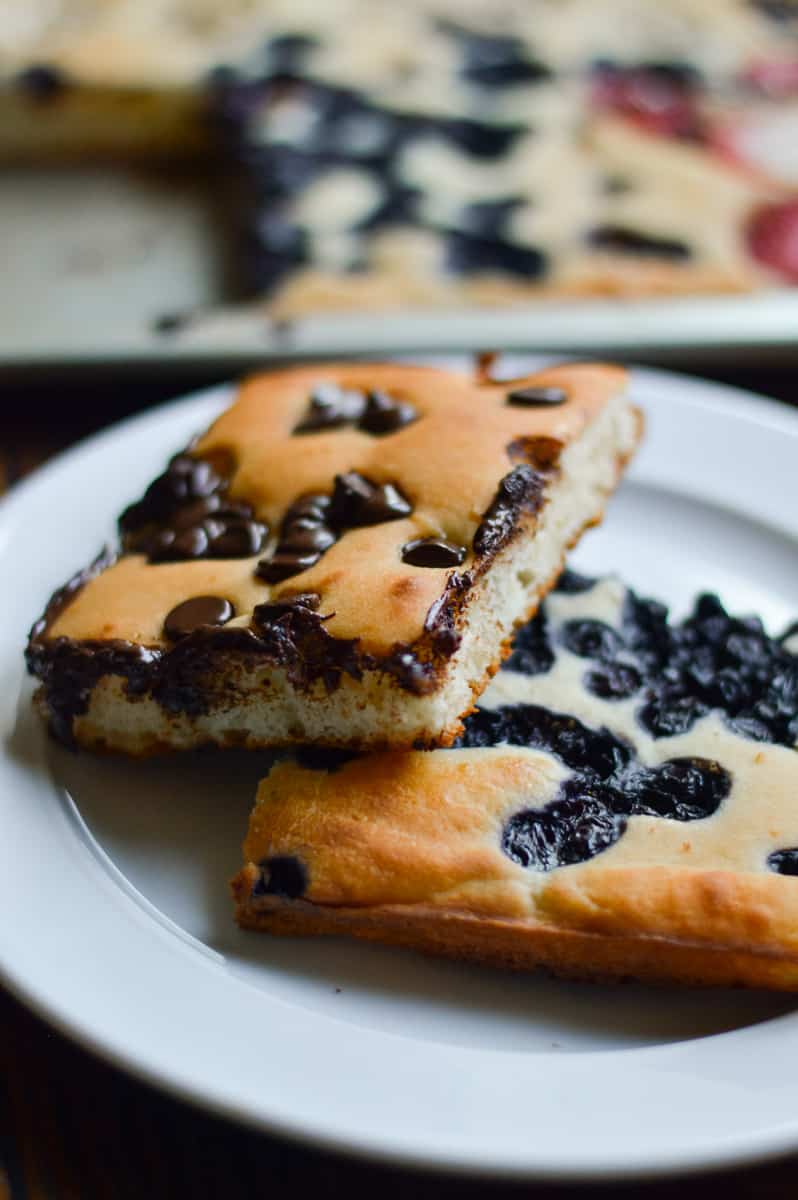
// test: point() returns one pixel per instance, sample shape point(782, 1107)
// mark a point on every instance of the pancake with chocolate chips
point(341, 559)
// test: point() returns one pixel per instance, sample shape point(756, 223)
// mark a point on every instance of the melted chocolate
point(70, 670)
point(417, 666)
point(287, 630)
point(293, 636)
point(522, 491)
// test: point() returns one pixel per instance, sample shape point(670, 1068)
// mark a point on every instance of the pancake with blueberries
point(622, 803)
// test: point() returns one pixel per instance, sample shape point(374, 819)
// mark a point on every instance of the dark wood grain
point(74, 1128)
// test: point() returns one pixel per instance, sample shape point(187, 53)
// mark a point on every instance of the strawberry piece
point(774, 77)
point(773, 237)
point(655, 99)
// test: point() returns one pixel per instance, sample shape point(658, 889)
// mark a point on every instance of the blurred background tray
point(104, 266)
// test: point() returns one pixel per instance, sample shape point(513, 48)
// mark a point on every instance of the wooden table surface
point(73, 1127)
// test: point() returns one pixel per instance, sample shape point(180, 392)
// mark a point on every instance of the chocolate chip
point(377, 413)
point(433, 552)
point(195, 512)
point(193, 614)
point(170, 547)
point(315, 505)
point(185, 480)
point(330, 407)
point(358, 501)
point(204, 479)
point(283, 564)
point(384, 414)
point(306, 536)
point(238, 539)
point(535, 397)
point(282, 875)
point(618, 240)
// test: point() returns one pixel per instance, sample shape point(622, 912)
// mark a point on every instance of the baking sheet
point(94, 259)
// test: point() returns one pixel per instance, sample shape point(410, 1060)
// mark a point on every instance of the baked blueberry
point(283, 875)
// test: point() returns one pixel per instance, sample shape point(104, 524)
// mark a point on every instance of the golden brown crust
point(526, 944)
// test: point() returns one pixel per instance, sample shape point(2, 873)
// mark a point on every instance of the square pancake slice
point(623, 803)
point(340, 559)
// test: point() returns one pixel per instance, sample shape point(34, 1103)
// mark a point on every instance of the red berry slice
point(774, 77)
point(652, 100)
point(773, 237)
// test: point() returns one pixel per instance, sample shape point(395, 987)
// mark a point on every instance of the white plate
point(118, 927)
point(94, 256)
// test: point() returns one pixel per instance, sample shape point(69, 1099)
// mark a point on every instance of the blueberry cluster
point(346, 128)
point(710, 661)
point(349, 128)
point(185, 514)
point(679, 672)
point(607, 786)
